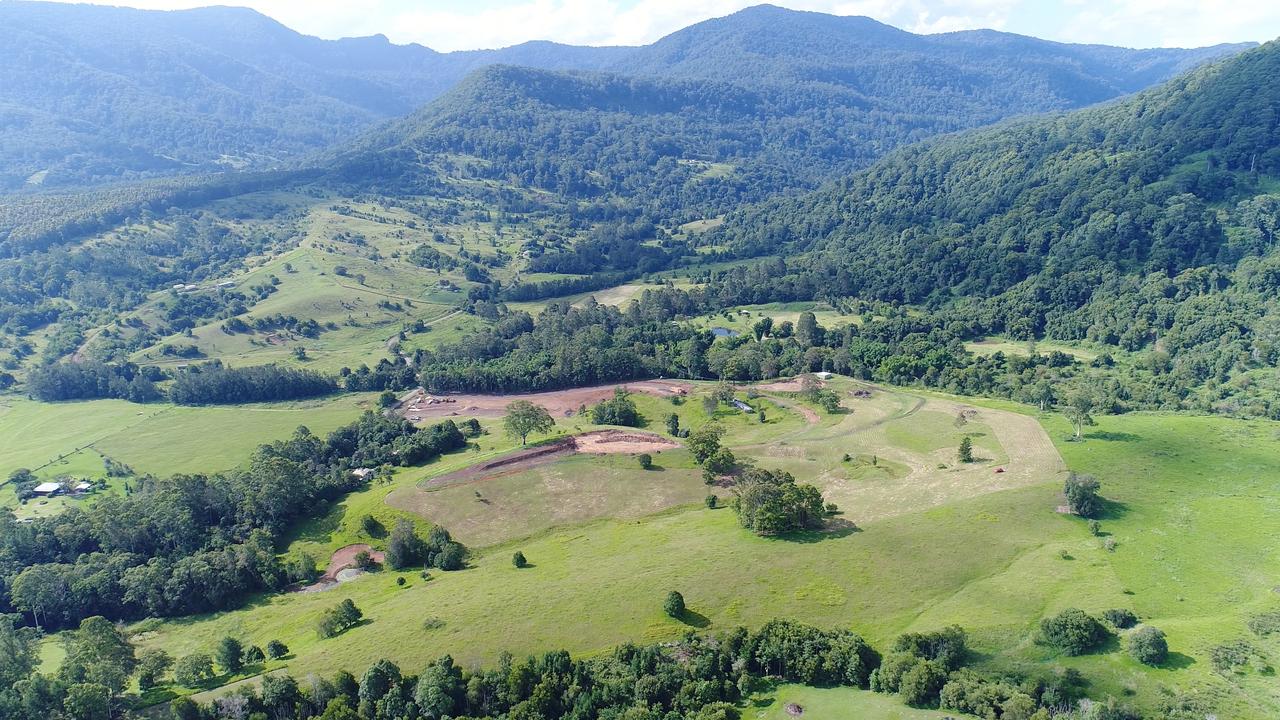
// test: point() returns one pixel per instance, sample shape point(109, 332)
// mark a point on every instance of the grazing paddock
point(1190, 505)
point(567, 490)
point(72, 438)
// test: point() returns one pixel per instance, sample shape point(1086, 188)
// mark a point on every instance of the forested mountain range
point(1148, 225)
point(91, 93)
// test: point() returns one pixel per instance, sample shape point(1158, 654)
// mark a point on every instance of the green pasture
point(72, 438)
point(1191, 509)
point(835, 704)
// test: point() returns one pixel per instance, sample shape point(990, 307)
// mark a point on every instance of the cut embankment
point(342, 567)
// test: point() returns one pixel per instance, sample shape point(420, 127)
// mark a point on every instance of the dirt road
point(421, 405)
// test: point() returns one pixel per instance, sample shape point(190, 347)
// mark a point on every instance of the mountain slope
point(90, 93)
point(1130, 185)
point(1149, 225)
point(737, 109)
point(1014, 72)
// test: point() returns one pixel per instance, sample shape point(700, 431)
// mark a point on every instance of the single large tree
point(523, 418)
point(99, 653)
point(1079, 411)
point(705, 441)
point(230, 655)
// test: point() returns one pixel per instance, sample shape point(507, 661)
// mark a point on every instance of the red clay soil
point(342, 559)
point(596, 442)
point(792, 385)
point(560, 403)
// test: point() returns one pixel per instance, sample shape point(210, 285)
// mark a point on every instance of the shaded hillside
point(92, 93)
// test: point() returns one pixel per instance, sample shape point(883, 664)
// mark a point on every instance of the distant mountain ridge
point(93, 93)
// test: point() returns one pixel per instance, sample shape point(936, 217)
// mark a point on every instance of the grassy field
point(830, 578)
point(991, 346)
point(835, 704)
point(1191, 509)
point(72, 438)
point(740, 319)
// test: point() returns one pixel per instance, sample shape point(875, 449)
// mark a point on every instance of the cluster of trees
point(92, 379)
point(1082, 495)
point(617, 410)
point(1073, 632)
point(770, 502)
point(386, 375)
point(217, 384)
point(195, 543)
point(338, 619)
point(405, 548)
point(700, 677)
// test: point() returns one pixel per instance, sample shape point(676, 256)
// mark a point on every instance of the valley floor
point(921, 542)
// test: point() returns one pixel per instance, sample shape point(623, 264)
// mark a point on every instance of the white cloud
point(1172, 23)
point(464, 24)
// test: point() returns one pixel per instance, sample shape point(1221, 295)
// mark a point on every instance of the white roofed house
point(47, 488)
point(363, 473)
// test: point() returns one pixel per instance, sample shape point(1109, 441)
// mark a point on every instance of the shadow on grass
point(1112, 510)
point(1112, 436)
point(693, 618)
point(1178, 661)
point(834, 529)
point(320, 529)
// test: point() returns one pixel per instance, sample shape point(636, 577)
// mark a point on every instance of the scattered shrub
point(674, 604)
point(1073, 632)
point(1148, 646)
point(1120, 618)
point(1264, 624)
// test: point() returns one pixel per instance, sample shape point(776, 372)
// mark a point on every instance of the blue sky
point(466, 24)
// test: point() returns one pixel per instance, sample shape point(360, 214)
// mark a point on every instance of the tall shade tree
point(99, 653)
point(18, 650)
point(1079, 411)
point(524, 418)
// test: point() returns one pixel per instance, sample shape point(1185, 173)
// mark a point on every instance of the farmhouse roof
point(47, 488)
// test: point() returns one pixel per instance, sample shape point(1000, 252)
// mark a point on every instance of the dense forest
point(703, 142)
